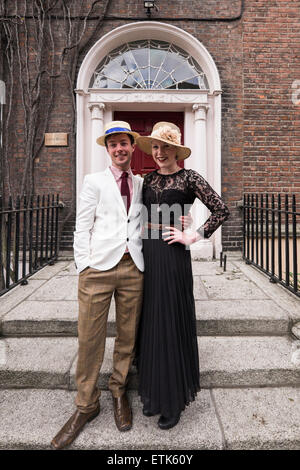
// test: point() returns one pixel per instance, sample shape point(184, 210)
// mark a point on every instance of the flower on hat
point(167, 133)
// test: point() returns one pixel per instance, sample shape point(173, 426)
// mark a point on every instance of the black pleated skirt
point(167, 350)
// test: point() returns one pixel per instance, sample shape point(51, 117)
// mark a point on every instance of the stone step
point(213, 318)
point(240, 301)
point(224, 362)
point(257, 418)
point(226, 304)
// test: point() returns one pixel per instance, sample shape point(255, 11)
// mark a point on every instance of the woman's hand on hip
point(177, 236)
point(186, 220)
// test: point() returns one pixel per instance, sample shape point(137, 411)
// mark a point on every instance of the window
point(149, 64)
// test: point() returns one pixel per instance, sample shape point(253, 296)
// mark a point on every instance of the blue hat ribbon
point(117, 129)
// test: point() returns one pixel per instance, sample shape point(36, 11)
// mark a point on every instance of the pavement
point(249, 354)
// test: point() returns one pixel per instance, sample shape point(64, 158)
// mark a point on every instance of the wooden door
point(143, 122)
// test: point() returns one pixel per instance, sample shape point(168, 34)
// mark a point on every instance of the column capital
point(200, 110)
point(96, 110)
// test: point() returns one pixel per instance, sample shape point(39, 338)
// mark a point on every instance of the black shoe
point(167, 423)
point(148, 413)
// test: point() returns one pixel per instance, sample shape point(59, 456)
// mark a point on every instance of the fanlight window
point(151, 65)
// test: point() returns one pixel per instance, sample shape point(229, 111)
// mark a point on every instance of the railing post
point(252, 227)
point(267, 232)
point(17, 239)
point(262, 231)
point(248, 226)
point(56, 225)
point(25, 209)
point(295, 267)
point(47, 226)
point(279, 240)
point(256, 228)
point(2, 283)
point(287, 245)
point(244, 226)
point(272, 278)
point(52, 226)
point(30, 232)
point(8, 242)
point(42, 231)
point(37, 222)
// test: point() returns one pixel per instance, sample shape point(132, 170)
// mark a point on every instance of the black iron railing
point(271, 237)
point(28, 237)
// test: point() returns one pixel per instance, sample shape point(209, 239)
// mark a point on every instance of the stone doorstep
point(55, 318)
point(259, 418)
point(281, 296)
point(36, 362)
point(214, 317)
point(228, 362)
point(256, 418)
point(210, 327)
point(224, 362)
point(39, 414)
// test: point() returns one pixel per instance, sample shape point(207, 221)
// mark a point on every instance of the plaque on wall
point(56, 139)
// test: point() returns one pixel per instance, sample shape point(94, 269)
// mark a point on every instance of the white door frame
point(202, 111)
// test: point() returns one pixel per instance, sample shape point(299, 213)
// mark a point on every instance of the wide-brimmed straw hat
point(116, 127)
point(164, 132)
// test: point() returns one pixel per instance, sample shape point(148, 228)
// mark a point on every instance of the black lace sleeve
point(209, 197)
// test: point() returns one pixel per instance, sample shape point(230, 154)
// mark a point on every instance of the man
point(109, 259)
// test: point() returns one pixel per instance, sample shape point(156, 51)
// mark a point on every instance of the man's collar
point(117, 172)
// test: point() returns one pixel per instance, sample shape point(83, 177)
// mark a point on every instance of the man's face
point(120, 150)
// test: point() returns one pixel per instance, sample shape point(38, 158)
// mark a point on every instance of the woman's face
point(164, 154)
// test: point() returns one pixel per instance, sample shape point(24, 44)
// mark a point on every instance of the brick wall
point(258, 60)
point(271, 49)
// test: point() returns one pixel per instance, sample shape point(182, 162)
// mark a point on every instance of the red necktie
point(125, 190)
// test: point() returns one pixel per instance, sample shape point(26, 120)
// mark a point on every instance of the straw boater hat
point(164, 132)
point(116, 127)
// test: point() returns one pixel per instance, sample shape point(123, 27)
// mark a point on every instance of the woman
point(167, 358)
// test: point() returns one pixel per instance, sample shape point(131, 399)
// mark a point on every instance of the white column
point(200, 111)
point(99, 158)
point(217, 165)
point(203, 248)
point(80, 143)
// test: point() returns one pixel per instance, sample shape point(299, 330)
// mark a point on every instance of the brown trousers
point(95, 290)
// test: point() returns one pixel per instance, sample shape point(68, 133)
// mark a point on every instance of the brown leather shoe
point(122, 413)
point(72, 428)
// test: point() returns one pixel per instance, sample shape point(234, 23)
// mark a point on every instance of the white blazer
point(103, 227)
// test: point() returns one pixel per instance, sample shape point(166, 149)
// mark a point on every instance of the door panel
point(143, 122)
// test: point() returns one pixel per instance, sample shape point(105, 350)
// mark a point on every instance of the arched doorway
point(109, 83)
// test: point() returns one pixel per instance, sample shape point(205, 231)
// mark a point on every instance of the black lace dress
point(167, 351)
